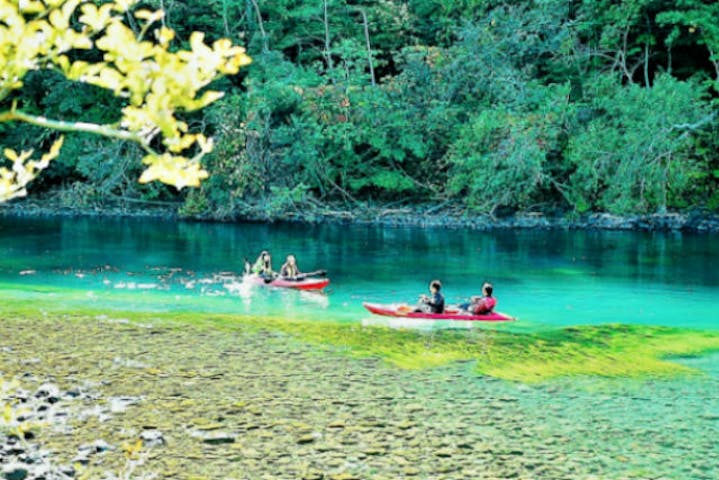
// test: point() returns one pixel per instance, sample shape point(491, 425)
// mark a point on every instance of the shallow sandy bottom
point(234, 402)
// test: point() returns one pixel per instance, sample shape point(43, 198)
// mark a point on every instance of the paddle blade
point(317, 273)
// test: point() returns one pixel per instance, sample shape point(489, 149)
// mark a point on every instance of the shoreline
point(695, 222)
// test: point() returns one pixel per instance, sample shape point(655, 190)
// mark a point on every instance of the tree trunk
point(646, 64)
point(369, 48)
point(328, 55)
point(265, 45)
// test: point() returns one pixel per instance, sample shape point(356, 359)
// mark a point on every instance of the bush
point(637, 154)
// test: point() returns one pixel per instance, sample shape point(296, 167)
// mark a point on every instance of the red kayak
point(304, 284)
point(407, 311)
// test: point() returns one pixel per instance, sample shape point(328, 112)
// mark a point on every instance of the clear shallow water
point(616, 428)
point(546, 278)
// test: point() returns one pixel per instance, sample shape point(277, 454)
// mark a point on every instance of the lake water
point(586, 426)
point(545, 278)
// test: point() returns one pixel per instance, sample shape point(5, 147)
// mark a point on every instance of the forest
point(469, 106)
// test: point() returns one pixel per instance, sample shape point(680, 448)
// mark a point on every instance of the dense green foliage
point(476, 105)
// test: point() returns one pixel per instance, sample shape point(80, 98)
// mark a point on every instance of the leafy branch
point(155, 81)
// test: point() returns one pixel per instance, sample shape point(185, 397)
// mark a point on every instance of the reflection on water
point(542, 277)
point(414, 323)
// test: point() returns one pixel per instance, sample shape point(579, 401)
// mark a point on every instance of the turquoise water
point(546, 278)
point(650, 427)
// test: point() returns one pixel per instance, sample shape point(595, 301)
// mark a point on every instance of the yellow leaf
point(205, 144)
point(206, 99)
point(132, 449)
point(63, 62)
point(149, 15)
point(7, 413)
point(179, 172)
point(165, 35)
point(59, 21)
point(53, 152)
point(123, 5)
point(178, 144)
point(110, 78)
point(81, 42)
point(197, 40)
point(95, 18)
point(24, 155)
point(30, 6)
point(10, 154)
point(68, 8)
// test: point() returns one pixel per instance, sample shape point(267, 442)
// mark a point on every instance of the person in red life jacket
point(481, 305)
point(435, 302)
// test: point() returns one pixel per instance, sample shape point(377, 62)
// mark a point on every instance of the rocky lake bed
point(104, 397)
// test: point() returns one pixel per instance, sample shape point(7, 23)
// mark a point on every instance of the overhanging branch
point(103, 130)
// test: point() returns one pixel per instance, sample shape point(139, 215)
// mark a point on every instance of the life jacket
point(484, 306)
point(288, 270)
point(437, 303)
point(258, 266)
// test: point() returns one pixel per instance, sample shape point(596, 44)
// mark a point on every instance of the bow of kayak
point(406, 311)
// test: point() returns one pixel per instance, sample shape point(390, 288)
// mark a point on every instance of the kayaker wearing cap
point(435, 302)
point(481, 305)
point(289, 268)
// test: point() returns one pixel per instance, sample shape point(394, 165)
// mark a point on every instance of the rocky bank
point(418, 216)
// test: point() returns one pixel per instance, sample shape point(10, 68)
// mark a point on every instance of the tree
point(638, 154)
point(502, 157)
point(92, 44)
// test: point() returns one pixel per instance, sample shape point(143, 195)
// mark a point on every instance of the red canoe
point(406, 311)
point(304, 284)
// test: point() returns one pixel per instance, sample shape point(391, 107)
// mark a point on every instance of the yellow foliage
point(156, 82)
point(13, 181)
point(8, 415)
point(173, 170)
point(132, 449)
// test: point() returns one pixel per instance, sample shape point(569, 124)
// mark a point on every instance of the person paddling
point(481, 305)
point(289, 269)
point(435, 302)
point(263, 266)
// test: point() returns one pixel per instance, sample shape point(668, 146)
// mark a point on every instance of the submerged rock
point(152, 438)
point(219, 439)
point(49, 392)
point(89, 449)
point(309, 438)
point(120, 404)
point(214, 437)
point(15, 471)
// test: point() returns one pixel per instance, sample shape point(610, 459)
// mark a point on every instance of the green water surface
point(635, 399)
point(547, 278)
